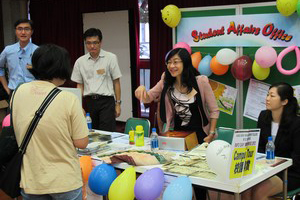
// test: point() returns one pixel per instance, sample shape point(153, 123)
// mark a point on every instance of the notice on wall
point(256, 99)
point(225, 96)
point(243, 154)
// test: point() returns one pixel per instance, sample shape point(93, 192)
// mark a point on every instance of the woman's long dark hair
point(290, 110)
point(188, 79)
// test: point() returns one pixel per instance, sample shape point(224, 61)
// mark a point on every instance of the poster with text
point(243, 155)
point(255, 99)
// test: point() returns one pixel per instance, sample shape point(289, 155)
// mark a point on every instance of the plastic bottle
point(131, 137)
point(89, 121)
point(154, 140)
point(270, 151)
point(139, 132)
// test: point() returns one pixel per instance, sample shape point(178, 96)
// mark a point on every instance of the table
point(246, 183)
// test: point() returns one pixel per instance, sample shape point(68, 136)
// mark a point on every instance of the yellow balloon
point(171, 15)
point(286, 7)
point(259, 72)
point(123, 186)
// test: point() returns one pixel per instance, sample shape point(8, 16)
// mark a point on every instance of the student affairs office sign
point(240, 30)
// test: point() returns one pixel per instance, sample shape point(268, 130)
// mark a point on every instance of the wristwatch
point(212, 132)
point(118, 101)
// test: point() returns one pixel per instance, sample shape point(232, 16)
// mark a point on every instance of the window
point(145, 80)
point(144, 30)
point(144, 51)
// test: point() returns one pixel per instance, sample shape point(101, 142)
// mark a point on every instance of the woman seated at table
point(281, 121)
point(184, 96)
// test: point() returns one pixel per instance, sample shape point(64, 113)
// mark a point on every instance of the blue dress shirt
point(16, 60)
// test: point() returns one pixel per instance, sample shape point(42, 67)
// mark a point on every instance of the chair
point(225, 134)
point(292, 194)
point(131, 123)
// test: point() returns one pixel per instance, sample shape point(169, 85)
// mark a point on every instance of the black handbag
point(11, 175)
point(8, 143)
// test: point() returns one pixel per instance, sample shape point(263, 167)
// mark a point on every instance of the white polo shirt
point(97, 75)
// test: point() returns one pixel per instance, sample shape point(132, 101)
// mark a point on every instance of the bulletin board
point(289, 61)
point(236, 120)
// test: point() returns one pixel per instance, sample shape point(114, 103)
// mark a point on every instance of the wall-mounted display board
point(237, 120)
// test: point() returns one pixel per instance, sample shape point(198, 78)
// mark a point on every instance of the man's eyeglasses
point(26, 29)
point(176, 62)
point(92, 43)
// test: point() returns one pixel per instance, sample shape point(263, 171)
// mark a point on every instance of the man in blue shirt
point(17, 57)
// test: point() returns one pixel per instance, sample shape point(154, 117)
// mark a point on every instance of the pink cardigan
point(208, 100)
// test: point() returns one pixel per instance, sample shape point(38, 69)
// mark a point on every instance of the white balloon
point(218, 156)
point(226, 56)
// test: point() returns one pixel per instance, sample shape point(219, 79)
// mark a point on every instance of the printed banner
point(240, 30)
point(244, 150)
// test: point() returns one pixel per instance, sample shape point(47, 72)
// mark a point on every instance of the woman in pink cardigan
point(187, 102)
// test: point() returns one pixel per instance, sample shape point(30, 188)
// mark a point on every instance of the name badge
point(100, 71)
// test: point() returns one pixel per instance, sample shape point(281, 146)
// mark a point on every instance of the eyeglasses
point(176, 62)
point(26, 29)
point(92, 43)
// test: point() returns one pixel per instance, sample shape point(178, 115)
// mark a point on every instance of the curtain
point(161, 34)
point(1, 31)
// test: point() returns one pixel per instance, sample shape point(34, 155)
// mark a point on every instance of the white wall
point(12, 11)
point(115, 30)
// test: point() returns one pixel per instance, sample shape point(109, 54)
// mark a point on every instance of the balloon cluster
point(288, 7)
point(103, 180)
point(242, 67)
point(219, 64)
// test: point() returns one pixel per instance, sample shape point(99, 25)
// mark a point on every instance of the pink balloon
point(183, 45)
point(266, 56)
point(282, 54)
point(6, 121)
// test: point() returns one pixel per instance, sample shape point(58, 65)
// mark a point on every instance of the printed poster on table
point(243, 155)
point(225, 96)
point(255, 99)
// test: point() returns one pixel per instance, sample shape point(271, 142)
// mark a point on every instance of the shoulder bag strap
point(38, 115)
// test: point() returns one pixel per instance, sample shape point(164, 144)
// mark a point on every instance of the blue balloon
point(101, 178)
point(180, 188)
point(204, 66)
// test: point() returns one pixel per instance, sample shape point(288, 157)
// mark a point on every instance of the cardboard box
point(177, 140)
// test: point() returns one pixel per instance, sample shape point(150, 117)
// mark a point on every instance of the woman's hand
point(141, 94)
point(209, 138)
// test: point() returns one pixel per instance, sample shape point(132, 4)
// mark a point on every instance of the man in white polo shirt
point(97, 74)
